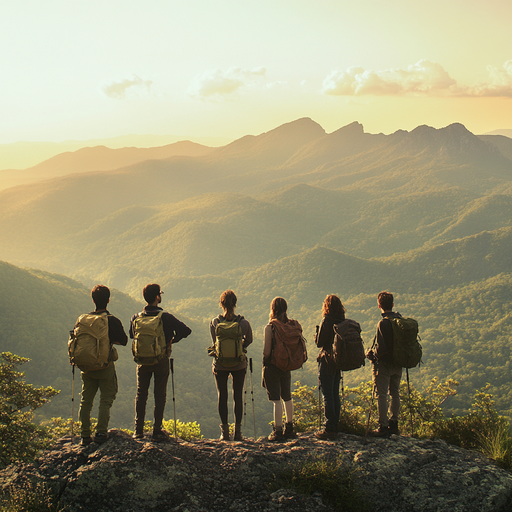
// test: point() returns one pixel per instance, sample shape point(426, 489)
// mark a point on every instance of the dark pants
point(144, 374)
point(221, 380)
point(330, 385)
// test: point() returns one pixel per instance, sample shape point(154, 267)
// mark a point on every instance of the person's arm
point(267, 344)
point(384, 341)
point(174, 329)
point(247, 332)
point(116, 333)
point(325, 335)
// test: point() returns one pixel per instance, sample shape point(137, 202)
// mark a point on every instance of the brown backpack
point(288, 345)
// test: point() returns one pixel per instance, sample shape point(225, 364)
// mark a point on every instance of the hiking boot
point(138, 435)
point(100, 437)
point(224, 432)
point(325, 435)
point(393, 428)
point(277, 435)
point(238, 433)
point(86, 441)
point(289, 433)
point(160, 436)
point(380, 432)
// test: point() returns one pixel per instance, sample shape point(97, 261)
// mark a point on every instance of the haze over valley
point(295, 211)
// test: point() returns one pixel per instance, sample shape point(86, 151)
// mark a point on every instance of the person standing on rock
point(231, 335)
point(104, 330)
point(329, 377)
point(153, 332)
point(276, 378)
point(386, 375)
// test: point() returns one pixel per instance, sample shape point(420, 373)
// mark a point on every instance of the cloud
point(217, 84)
point(423, 78)
point(499, 83)
point(117, 90)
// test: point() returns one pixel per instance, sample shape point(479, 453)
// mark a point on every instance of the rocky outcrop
point(396, 474)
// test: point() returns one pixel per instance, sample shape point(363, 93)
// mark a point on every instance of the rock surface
point(395, 474)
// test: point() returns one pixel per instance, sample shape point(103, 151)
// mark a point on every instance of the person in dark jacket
point(386, 375)
point(174, 331)
point(333, 312)
point(105, 380)
point(221, 372)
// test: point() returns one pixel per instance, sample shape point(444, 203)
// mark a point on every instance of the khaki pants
point(386, 377)
point(106, 381)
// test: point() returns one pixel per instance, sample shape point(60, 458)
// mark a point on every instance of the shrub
point(332, 479)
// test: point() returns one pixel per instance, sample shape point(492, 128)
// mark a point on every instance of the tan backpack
point(89, 347)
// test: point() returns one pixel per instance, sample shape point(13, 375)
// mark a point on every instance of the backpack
point(89, 347)
point(148, 345)
point(229, 342)
point(288, 345)
point(348, 348)
point(407, 350)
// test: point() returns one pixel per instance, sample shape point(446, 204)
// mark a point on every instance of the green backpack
point(148, 345)
point(88, 346)
point(407, 350)
point(229, 342)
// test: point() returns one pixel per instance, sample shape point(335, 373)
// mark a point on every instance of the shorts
point(277, 383)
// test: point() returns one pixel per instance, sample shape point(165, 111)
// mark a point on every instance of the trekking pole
point(245, 402)
point(73, 404)
point(171, 361)
point(319, 406)
point(369, 416)
point(252, 399)
point(410, 402)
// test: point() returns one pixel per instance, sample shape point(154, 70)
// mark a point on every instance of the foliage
point(334, 480)
point(190, 431)
point(421, 415)
point(306, 407)
point(20, 438)
point(29, 498)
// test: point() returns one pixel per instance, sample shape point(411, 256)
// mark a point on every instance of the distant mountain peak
point(354, 128)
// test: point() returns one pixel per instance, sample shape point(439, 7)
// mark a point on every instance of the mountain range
point(300, 213)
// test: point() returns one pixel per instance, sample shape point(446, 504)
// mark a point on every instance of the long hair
point(278, 309)
point(227, 302)
point(333, 306)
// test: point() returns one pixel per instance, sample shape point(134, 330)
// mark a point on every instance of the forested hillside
point(426, 214)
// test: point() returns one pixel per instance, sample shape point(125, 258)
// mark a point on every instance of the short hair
point(333, 306)
point(228, 300)
point(385, 301)
point(278, 308)
point(100, 295)
point(151, 292)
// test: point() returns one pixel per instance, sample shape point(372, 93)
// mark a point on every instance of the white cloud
point(118, 90)
point(424, 77)
point(217, 84)
point(499, 83)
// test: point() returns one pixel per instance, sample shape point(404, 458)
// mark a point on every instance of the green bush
point(29, 498)
point(334, 480)
point(20, 438)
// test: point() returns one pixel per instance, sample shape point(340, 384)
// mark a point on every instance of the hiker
point(104, 379)
point(386, 375)
point(333, 312)
point(276, 377)
point(231, 335)
point(155, 330)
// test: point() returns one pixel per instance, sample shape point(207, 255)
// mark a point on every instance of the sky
point(77, 70)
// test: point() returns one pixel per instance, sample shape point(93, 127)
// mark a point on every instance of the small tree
point(20, 438)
